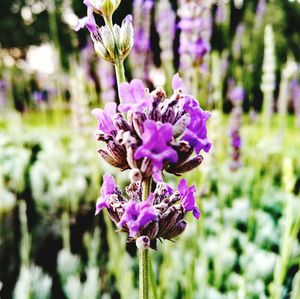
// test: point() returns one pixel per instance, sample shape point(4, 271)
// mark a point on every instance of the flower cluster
point(160, 216)
point(158, 133)
point(112, 43)
point(149, 133)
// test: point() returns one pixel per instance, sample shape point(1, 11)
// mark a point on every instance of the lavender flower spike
point(107, 189)
point(137, 215)
point(155, 145)
point(188, 199)
point(133, 96)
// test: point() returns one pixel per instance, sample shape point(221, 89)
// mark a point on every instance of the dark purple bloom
point(156, 138)
point(196, 133)
point(107, 189)
point(133, 97)
point(137, 215)
point(187, 197)
point(105, 122)
point(88, 21)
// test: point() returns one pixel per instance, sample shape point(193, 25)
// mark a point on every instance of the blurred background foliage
point(246, 245)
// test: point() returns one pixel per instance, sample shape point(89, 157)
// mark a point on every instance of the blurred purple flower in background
point(295, 96)
point(165, 19)
point(195, 25)
point(107, 79)
point(236, 94)
point(141, 57)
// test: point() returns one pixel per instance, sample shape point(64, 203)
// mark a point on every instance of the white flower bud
point(143, 242)
point(126, 36)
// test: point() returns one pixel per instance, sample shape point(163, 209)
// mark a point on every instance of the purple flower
point(104, 118)
point(236, 94)
point(236, 141)
point(107, 189)
point(201, 47)
point(137, 215)
point(188, 199)
point(196, 133)
point(88, 21)
point(155, 144)
point(133, 97)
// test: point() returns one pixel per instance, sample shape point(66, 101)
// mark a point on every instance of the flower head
point(105, 122)
point(156, 138)
point(137, 215)
point(133, 97)
point(187, 197)
point(107, 189)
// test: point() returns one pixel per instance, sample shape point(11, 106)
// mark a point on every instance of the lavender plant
point(147, 134)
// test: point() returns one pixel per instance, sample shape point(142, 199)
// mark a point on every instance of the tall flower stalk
point(141, 58)
point(147, 134)
point(268, 78)
point(165, 19)
point(195, 24)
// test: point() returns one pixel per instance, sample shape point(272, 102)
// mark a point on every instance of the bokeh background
point(246, 244)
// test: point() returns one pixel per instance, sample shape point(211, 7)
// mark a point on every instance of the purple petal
point(177, 82)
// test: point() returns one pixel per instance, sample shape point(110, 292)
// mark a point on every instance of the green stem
point(144, 274)
point(120, 73)
point(144, 253)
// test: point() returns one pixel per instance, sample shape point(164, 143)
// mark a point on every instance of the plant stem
point(144, 273)
point(144, 253)
point(120, 73)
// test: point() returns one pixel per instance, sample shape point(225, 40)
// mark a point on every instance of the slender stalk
point(144, 253)
point(144, 273)
point(120, 73)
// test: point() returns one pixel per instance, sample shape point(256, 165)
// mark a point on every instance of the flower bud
point(109, 7)
point(181, 125)
point(187, 166)
point(135, 175)
point(143, 242)
point(107, 40)
point(102, 52)
point(176, 230)
point(126, 36)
